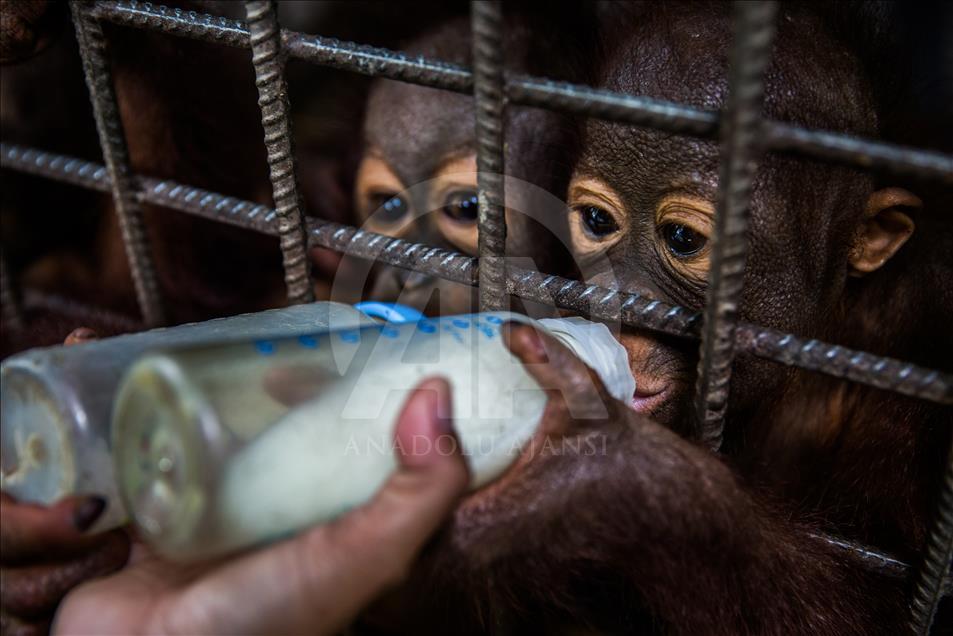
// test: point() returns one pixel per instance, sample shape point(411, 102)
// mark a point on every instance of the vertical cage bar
point(487, 26)
point(937, 559)
point(92, 48)
point(12, 314)
point(273, 101)
point(740, 128)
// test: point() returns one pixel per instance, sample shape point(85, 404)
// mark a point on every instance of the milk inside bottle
point(221, 447)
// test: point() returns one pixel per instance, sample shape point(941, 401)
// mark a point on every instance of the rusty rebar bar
point(753, 26)
point(435, 261)
point(92, 48)
point(486, 20)
point(265, 40)
point(533, 91)
point(935, 570)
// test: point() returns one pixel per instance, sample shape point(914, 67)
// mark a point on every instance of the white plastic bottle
point(219, 448)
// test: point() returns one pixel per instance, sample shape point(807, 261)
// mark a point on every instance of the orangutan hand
point(44, 551)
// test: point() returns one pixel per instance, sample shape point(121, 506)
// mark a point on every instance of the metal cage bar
point(487, 26)
point(265, 40)
point(92, 48)
point(740, 150)
point(629, 308)
point(933, 577)
point(531, 91)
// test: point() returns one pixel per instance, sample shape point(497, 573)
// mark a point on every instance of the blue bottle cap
point(390, 312)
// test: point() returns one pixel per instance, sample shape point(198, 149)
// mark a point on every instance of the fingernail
point(444, 440)
point(82, 334)
point(532, 338)
point(88, 512)
point(443, 412)
point(443, 425)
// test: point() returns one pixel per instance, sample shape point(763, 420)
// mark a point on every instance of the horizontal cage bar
point(600, 302)
point(530, 91)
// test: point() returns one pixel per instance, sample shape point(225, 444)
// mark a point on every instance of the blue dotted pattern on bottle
point(350, 336)
point(265, 347)
point(311, 342)
point(488, 325)
point(486, 330)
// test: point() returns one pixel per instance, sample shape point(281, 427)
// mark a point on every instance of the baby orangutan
point(659, 534)
point(417, 177)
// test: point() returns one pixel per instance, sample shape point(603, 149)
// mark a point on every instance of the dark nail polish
point(88, 512)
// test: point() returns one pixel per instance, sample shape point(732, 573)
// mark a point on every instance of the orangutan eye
point(598, 222)
point(681, 240)
point(388, 207)
point(462, 206)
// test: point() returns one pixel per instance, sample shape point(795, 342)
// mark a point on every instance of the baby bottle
point(221, 447)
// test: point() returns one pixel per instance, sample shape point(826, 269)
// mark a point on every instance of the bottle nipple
point(595, 345)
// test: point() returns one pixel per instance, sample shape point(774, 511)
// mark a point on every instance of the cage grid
point(743, 136)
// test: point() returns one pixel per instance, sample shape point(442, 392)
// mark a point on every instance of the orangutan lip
point(646, 402)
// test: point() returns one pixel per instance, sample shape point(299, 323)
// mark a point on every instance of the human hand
point(316, 582)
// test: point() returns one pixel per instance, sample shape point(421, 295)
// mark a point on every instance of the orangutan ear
point(885, 228)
